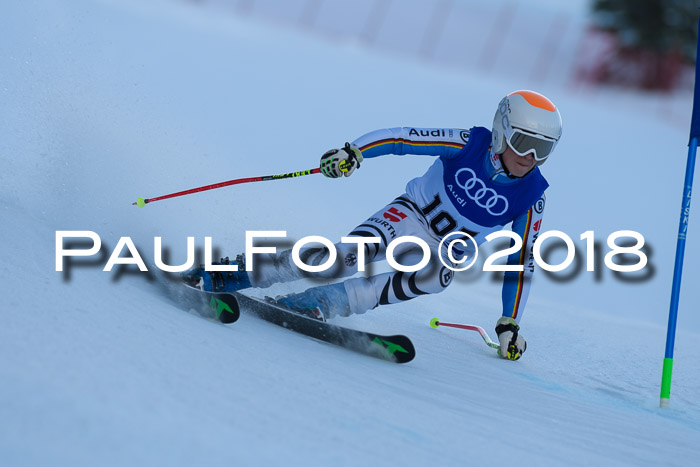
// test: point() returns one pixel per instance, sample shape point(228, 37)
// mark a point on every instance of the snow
point(104, 101)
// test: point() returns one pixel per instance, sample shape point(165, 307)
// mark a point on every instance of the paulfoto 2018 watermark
point(460, 249)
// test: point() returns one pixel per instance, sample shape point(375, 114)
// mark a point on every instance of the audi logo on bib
point(476, 190)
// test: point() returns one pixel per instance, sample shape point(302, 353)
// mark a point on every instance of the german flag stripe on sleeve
point(521, 274)
point(382, 142)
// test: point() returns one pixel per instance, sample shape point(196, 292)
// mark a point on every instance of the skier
point(481, 181)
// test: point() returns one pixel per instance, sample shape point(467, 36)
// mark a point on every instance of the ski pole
point(141, 202)
point(434, 323)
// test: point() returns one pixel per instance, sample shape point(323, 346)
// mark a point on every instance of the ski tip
point(434, 323)
point(225, 306)
point(140, 202)
point(228, 317)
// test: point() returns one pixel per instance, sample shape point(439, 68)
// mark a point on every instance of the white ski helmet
point(527, 122)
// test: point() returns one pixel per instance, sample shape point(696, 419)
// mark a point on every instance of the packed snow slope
point(103, 102)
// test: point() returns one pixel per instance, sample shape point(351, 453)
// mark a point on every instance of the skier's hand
point(512, 344)
point(338, 162)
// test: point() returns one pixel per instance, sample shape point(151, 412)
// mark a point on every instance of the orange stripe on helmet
point(536, 99)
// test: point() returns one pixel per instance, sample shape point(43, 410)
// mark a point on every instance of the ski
point(224, 306)
point(397, 349)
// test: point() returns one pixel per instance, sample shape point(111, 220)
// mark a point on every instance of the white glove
point(338, 162)
point(512, 344)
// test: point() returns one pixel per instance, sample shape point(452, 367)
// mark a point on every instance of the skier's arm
point(444, 142)
point(516, 285)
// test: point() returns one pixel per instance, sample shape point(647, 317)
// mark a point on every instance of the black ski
point(223, 306)
point(398, 349)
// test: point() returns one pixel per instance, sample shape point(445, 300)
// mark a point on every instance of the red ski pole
point(141, 202)
point(435, 323)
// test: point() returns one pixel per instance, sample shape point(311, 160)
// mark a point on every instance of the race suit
point(466, 189)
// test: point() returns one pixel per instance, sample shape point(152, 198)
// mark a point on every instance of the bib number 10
point(588, 236)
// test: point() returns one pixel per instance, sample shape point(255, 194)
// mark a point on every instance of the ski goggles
point(523, 143)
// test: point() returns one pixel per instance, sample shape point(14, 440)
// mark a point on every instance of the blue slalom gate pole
point(682, 233)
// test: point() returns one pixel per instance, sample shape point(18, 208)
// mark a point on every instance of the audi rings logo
point(484, 197)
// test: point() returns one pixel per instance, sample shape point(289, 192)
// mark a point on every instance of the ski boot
point(312, 312)
point(318, 302)
point(219, 281)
